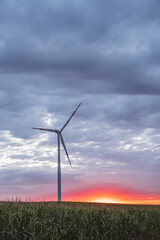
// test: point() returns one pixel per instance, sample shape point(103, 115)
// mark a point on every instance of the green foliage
point(78, 221)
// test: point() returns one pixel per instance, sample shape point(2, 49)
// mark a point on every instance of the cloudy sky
point(56, 54)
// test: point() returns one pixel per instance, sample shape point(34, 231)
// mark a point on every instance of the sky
point(56, 54)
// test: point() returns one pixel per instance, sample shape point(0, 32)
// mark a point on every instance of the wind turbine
point(60, 138)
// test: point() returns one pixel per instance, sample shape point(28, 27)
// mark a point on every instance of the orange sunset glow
point(110, 195)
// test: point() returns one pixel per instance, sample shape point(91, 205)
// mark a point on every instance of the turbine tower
point(60, 139)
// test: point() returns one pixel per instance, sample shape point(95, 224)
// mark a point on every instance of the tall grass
point(78, 221)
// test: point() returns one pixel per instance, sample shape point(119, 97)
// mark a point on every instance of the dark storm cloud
point(109, 42)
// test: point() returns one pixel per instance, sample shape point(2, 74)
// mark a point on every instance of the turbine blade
point(64, 146)
point(70, 118)
point(50, 130)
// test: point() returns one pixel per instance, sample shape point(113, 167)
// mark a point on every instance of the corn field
point(78, 221)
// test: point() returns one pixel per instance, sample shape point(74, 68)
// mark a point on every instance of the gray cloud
point(107, 42)
point(54, 55)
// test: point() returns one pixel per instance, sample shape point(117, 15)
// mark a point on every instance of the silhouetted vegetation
point(78, 221)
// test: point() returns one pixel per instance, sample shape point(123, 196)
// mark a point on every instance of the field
point(78, 221)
